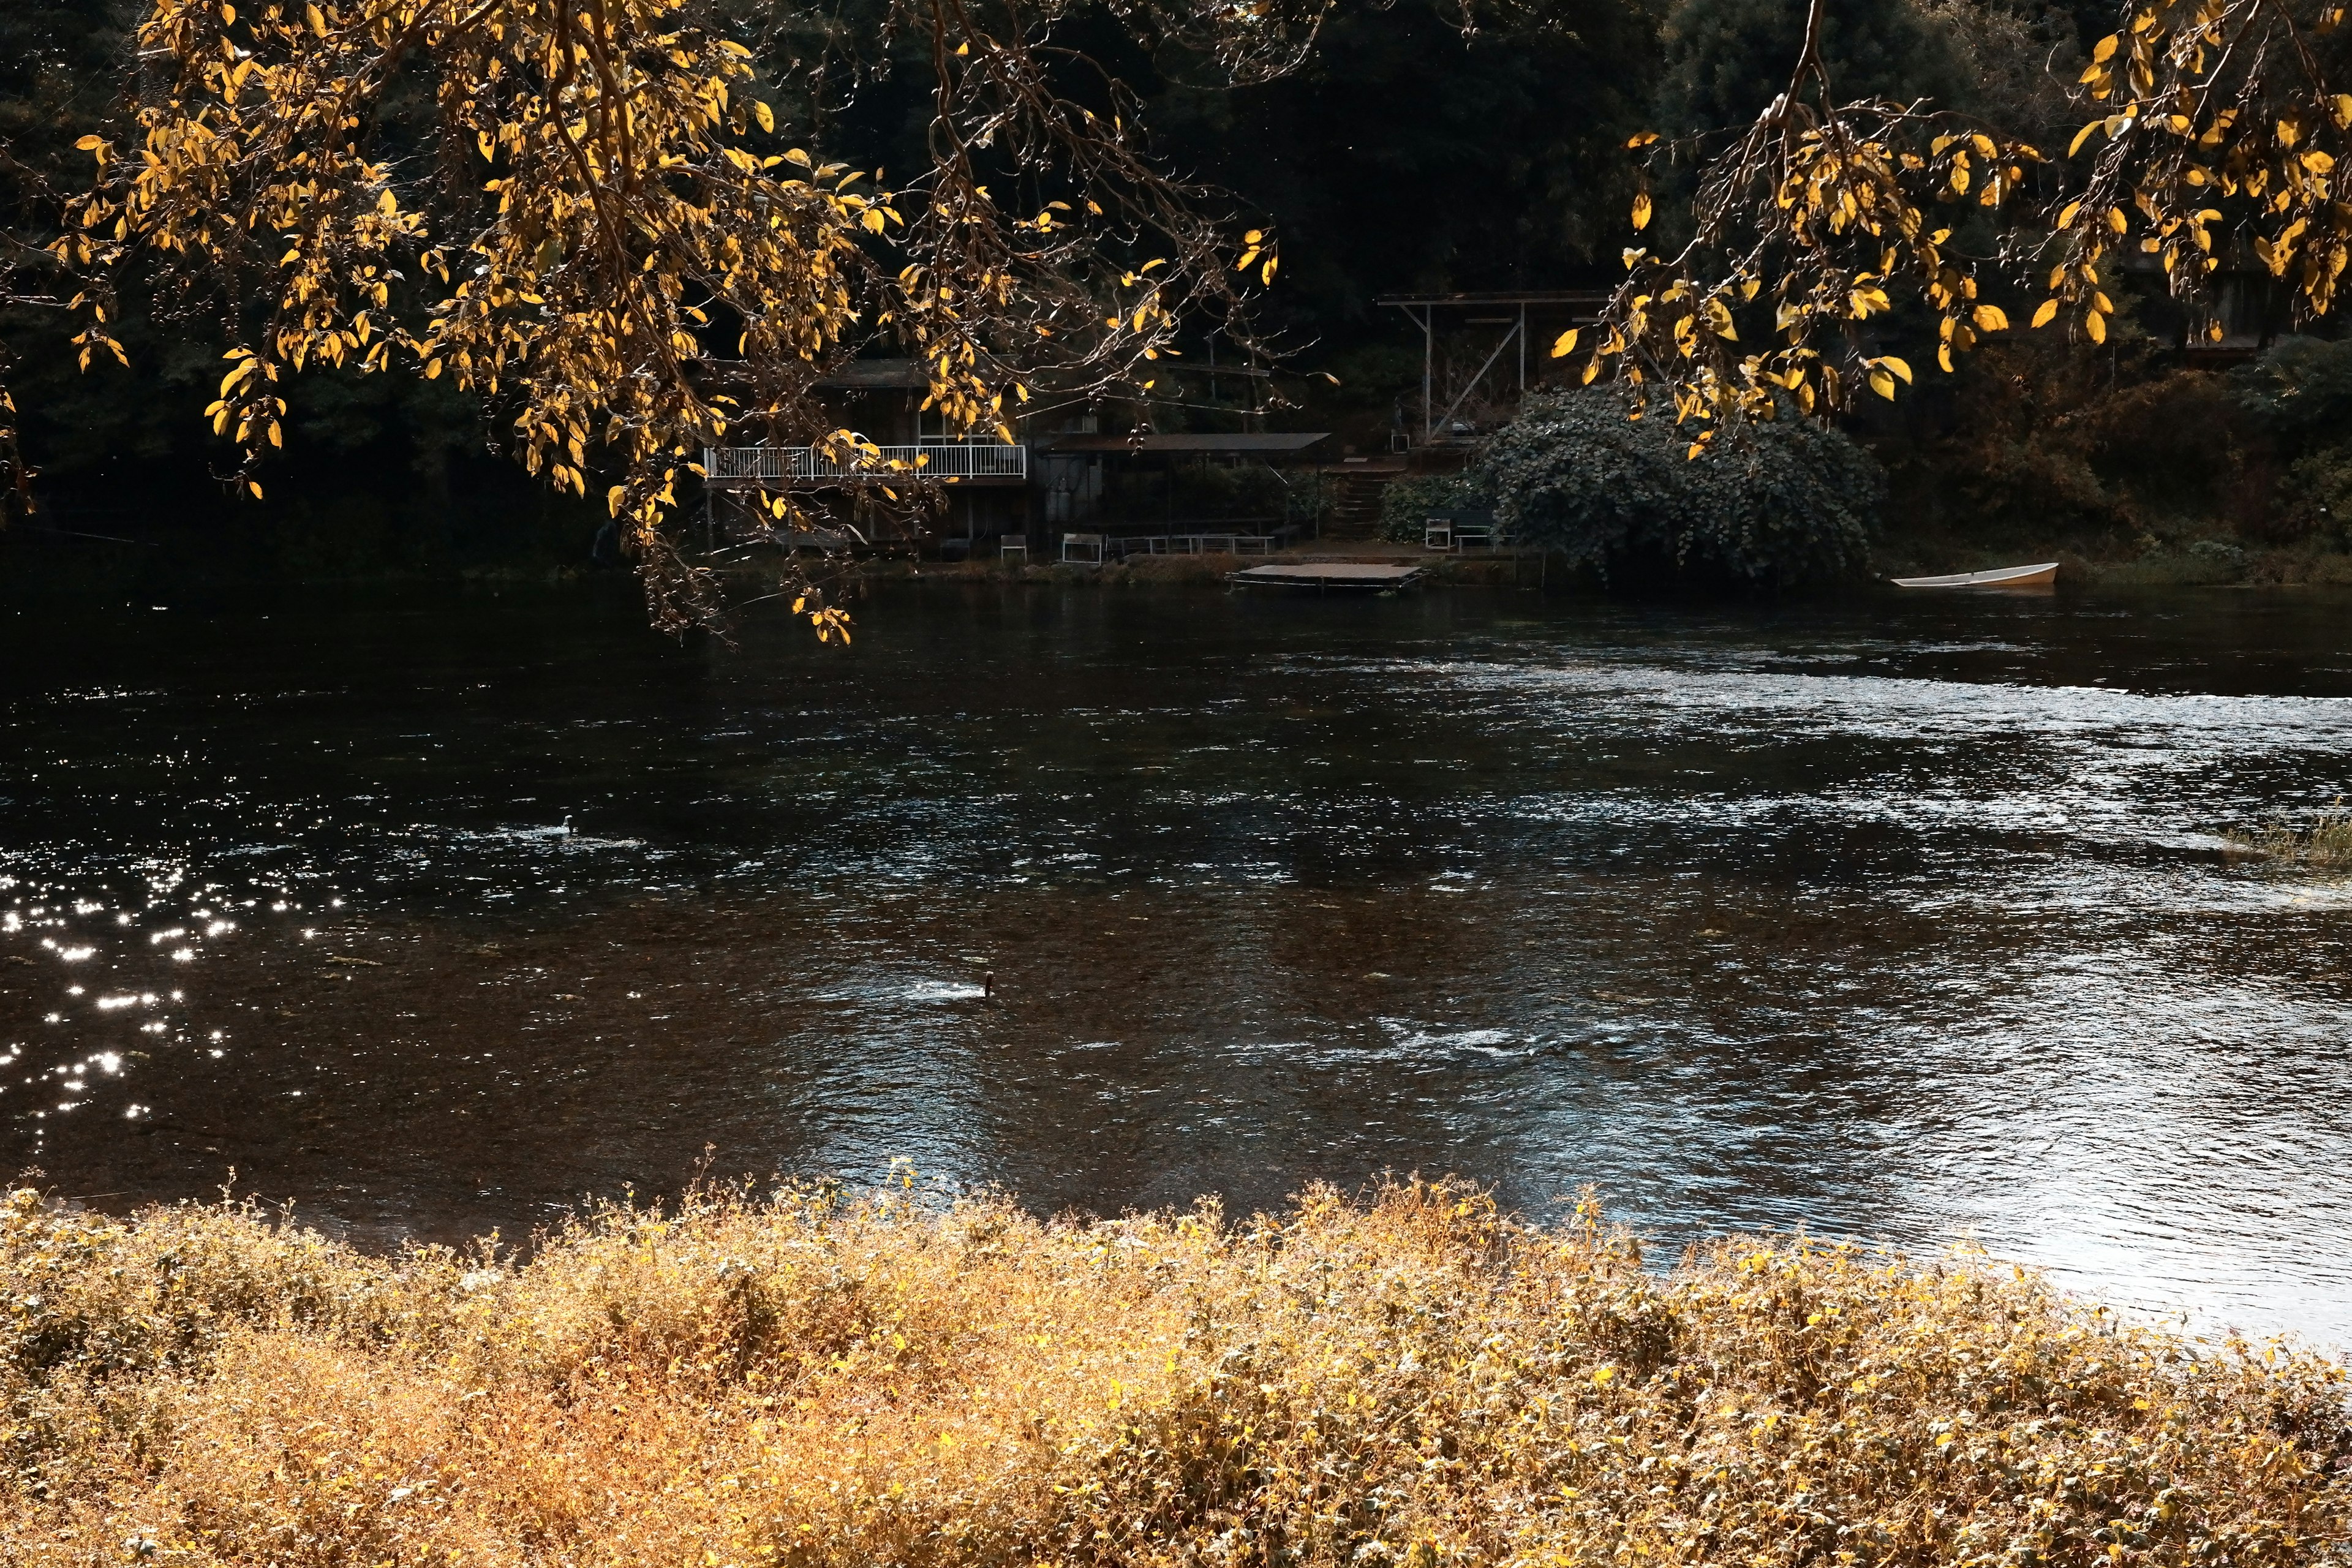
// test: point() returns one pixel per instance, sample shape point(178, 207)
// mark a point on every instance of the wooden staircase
point(1355, 509)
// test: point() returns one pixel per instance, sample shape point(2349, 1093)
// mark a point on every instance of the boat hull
point(2042, 577)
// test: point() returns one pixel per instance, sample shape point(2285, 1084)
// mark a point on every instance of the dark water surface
point(1902, 919)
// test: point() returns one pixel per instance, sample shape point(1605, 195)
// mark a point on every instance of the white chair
point(1437, 532)
point(1090, 542)
point(1014, 544)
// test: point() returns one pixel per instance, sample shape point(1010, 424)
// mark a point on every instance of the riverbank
point(2202, 563)
point(1484, 568)
point(39, 576)
point(1418, 1380)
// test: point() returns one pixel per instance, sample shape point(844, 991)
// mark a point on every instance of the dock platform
point(1343, 576)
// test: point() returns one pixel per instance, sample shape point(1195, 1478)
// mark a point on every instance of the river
point(1903, 919)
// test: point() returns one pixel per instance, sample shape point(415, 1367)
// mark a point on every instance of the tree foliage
point(631, 274)
point(1407, 504)
point(586, 213)
point(2213, 122)
point(1783, 503)
point(1725, 60)
point(52, 64)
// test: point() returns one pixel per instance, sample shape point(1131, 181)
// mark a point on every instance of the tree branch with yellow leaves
point(1817, 218)
point(602, 231)
point(2216, 123)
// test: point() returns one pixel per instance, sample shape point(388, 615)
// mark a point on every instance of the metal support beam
point(1514, 334)
point(1579, 306)
point(1428, 364)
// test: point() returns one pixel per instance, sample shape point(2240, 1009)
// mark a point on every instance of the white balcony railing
point(805, 465)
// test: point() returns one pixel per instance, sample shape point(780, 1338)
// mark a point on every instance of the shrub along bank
point(1778, 504)
point(1417, 1380)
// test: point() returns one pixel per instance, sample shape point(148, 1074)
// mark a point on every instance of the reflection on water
point(1902, 919)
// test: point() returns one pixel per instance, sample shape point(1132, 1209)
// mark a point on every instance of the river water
point(1903, 919)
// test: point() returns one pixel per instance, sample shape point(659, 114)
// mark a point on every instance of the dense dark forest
point(1417, 147)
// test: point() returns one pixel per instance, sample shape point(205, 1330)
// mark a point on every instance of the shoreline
point(36, 584)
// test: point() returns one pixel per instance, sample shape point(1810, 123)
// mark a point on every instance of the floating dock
point(1326, 576)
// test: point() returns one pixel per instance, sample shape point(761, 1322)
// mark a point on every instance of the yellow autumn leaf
point(1642, 210)
point(1565, 345)
point(2096, 326)
point(2046, 314)
point(1991, 319)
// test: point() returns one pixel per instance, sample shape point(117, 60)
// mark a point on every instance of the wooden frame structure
point(1510, 311)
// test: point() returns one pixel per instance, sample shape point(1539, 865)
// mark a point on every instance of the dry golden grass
point(2327, 842)
point(1416, 1380)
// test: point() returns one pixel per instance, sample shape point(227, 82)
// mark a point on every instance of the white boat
point(2039, 576)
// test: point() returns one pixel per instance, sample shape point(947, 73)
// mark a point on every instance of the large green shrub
point(1776, 504)
point(1407, 505)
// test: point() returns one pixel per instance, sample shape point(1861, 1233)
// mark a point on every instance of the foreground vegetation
point(1415, 1381)
point(2325, 841)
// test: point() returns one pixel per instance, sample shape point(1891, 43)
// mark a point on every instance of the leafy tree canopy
point(590, 216)
point(2208, 127)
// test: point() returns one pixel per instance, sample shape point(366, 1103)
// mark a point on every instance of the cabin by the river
point(1065, 486)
